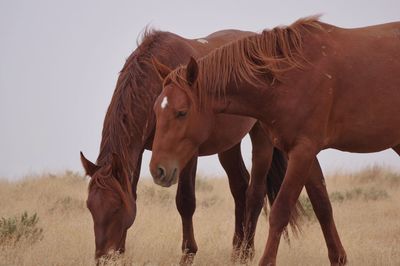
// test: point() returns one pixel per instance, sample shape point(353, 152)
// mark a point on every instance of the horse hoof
point(339, 260)
point(247, 255)
point(235, 256)
point(242, 255)
point(187, 259)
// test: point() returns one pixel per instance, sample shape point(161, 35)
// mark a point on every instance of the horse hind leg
point(186, 205)
point(262, 151)
point(321, 204)
point(232, 162)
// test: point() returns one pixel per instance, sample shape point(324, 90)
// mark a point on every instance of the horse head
point(180, 128)
point(111, 203)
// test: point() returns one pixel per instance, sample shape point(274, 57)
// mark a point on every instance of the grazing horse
point(312, 85)
point(128, 130)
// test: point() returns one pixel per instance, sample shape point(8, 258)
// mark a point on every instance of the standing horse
point(129, 129)
point(312, 85)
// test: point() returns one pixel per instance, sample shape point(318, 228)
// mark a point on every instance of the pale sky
point(59, 62)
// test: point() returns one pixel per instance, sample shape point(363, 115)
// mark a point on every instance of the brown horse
point(167, 150)
point(312, 85)
point(129, 128)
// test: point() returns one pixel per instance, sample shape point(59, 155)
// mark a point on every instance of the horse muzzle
point(163, 177)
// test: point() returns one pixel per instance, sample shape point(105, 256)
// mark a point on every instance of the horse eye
point(181, 114)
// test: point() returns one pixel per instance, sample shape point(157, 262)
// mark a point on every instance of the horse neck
point(270, 98)
point(239, 97)
point(131, 144)
point(244, 70)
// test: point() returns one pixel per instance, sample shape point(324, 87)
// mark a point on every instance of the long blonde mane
point(255, 59)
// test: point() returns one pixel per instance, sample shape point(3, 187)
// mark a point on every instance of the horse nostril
point(161, 171)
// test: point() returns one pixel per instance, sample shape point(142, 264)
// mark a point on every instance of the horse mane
point(130, 105)
point(255, 59)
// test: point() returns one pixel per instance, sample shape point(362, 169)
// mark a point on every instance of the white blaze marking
point(164, 102)
point(203, 41)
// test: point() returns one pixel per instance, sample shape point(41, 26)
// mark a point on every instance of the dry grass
point(366, 206)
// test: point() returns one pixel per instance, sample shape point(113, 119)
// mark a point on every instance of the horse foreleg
point(186, 205)
point(232, 161)
point(318, 195)
point(261, 160)
point(300, 160)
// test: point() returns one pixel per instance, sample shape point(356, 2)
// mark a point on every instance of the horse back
point(356, 79)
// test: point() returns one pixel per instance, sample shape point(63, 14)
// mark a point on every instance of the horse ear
point(192, 71)
point(90, 168)
point(116, 165)
point(161, 69)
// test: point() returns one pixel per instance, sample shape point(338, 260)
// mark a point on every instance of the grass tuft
point(359, 194)
point(20, 228)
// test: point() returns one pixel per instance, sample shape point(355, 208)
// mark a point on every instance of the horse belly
point(228, 131)
point(372, 128)
point(365, 143)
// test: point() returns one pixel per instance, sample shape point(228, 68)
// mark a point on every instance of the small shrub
point(67, 204)
point(358, 193)
point(375, 194)
point(353, 194)
point(20, 228)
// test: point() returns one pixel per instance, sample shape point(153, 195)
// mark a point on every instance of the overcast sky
point(59, 62)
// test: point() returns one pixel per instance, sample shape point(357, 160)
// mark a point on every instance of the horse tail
point(275, 177)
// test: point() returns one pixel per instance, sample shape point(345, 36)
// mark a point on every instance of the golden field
point(366, 209)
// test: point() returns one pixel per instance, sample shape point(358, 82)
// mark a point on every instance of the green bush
point(66, 204)
point(20, 228)
point(375, 194)
point(354, 194)
point(358, 193)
